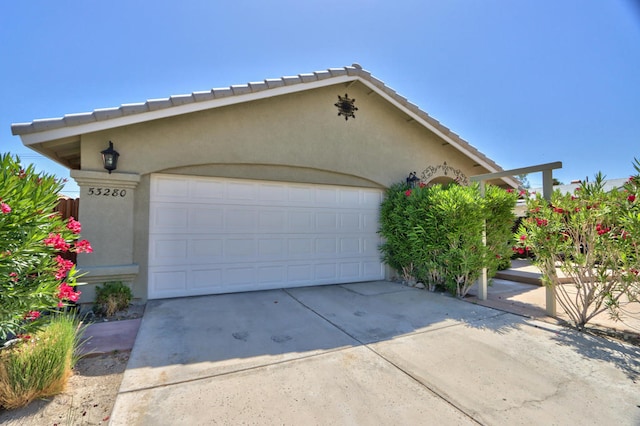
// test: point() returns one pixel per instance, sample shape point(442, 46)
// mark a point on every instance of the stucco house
point(257, 186)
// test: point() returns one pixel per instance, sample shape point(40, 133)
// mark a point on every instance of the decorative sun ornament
point(346, 107)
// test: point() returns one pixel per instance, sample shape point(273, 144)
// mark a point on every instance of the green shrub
point(114, 296)
point(436, 233)
point(39, 365)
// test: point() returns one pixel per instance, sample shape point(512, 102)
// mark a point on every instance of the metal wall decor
point(346, 107)
point(444, 170)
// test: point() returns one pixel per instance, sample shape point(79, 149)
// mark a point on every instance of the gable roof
point(66, 130)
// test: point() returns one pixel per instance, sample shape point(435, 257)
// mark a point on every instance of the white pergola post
point(547, 191)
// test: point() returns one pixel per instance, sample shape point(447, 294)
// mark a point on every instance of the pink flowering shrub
point(34, 277)
point(593, 237)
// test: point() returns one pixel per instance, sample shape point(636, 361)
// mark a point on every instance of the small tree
point(592, 237)
point(34, 278)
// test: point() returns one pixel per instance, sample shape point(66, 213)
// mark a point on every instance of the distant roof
point(71, 126)
point(609, 185)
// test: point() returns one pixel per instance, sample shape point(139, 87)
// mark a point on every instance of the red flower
point(5, 208)
point(74, 226)
point(558, 210)
point(521, 250)
point(66, 292)
point(56, 241)
point(83, 246)
point(32, 315)
point(631, 198)
point(422, 184)
point(407, 192)
point(602, 229)
point(523, 237)
point(542, 222)
point(509, 190)
point(64, 266)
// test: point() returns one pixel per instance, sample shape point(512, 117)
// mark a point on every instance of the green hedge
point(434, 234)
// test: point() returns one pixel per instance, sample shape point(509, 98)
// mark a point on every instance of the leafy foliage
point(592, 237)
point(112, 297)
point(34, 278)
point(434, 234)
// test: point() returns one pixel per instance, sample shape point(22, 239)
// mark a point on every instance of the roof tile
point(129, 109)
point(308, 78)
point(222, 93)
point(47, 124)
point(257, 86)
point(290, 80)
point(156, 104)
point(107, 113)
point(203, 96)
point(240, 89)
point(181, 99)
point(274, 82)
point(77, 119)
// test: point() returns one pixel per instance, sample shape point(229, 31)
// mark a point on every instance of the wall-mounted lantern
point(412, 180)
point(110, 158)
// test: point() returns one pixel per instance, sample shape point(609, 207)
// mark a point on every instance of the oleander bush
point(434, 233)
point(37, 284)
point(593, 237)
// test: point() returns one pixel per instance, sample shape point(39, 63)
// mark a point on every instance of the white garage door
point(215, 235)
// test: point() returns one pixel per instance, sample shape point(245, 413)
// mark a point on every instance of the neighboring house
point(257, 186)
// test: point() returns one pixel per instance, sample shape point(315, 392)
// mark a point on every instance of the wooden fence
point(68, 207)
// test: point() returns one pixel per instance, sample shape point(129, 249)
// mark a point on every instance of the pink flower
point(14, 276)
point(32, 315)
point(64, 266)
point(407, 192)
point(56, 241)
point(66, 292)
point(83, 246)
point(523, 237)
point(509, 190)
point(74, 226)
point(5, 208)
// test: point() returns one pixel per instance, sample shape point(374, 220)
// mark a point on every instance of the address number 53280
point(107, 192)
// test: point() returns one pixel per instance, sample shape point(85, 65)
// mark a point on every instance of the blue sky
point(526, 82)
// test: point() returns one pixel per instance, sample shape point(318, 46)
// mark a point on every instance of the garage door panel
point(206, 219)
point(301, 221)
point(214, 235)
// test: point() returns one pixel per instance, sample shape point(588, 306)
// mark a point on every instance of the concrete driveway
point(370, 353)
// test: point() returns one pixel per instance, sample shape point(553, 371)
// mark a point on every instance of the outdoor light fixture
point(110, 158)
point(346, 107)
point(412, 180)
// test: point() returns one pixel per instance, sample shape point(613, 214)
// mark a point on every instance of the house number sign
point(107, 192)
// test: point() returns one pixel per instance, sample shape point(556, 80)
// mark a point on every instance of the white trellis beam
point(547, 191)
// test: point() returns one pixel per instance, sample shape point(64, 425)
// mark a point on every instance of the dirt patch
point(88, 399)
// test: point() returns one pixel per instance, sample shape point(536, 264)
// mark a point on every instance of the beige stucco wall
point(296, 137)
